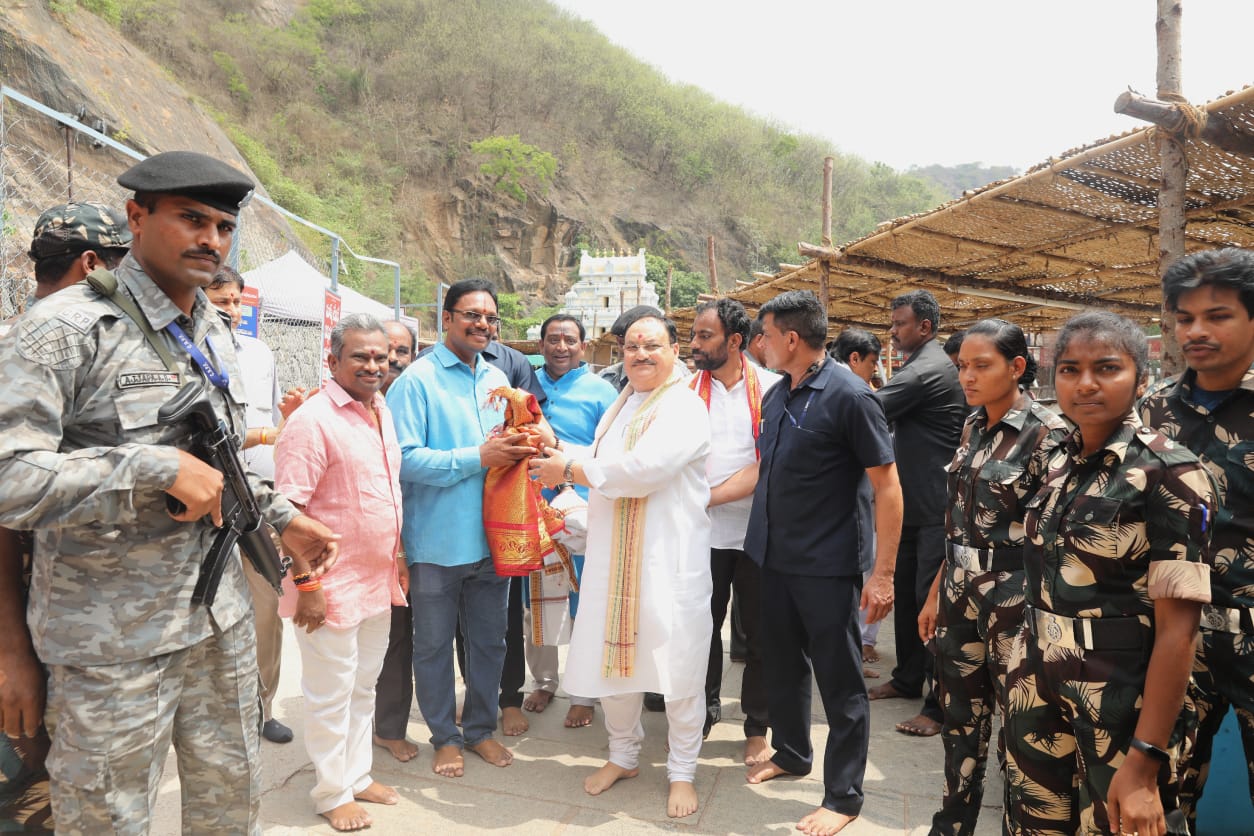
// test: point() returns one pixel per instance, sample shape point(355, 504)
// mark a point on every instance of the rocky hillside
point(367, 116)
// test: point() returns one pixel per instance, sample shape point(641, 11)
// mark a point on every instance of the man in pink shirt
point(338, 457)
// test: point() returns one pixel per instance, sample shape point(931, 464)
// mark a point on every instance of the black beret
point(190, 174)
point(629, 317)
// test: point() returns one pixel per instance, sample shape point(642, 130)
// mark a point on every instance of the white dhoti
point(667, 466)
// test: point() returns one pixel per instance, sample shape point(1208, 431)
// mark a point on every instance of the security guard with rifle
point(138, 602)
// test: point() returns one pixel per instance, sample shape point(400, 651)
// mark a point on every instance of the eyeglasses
point(650, 348)
point(472, 317)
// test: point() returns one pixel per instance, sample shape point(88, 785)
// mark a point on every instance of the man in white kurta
point(651, 446)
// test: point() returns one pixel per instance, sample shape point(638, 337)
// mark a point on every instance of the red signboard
point(250, 303)
point(330, 318)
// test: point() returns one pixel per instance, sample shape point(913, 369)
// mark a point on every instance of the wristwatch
point(568, 475)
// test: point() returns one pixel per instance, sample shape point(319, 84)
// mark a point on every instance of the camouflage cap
point(78, 227)
point(191, 174)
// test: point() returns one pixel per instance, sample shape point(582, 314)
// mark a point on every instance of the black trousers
point(732, 569)
point(514, 672)
point(814, 621)
point(919, 558)
point(394, 693)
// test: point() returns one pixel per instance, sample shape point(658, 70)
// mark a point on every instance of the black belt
point(1118, 633)
point(973, 559)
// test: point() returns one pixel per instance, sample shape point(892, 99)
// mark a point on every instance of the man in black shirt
point(924, 403)
point(823, 441)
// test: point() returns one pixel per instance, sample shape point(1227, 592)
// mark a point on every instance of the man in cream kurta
point(649, 495)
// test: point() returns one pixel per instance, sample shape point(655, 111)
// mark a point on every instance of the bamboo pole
point(825, 264)
point(670, 272)
point(709, 252)
point(1175, 169)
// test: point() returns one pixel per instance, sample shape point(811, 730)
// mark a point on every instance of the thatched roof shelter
point(1075, 232)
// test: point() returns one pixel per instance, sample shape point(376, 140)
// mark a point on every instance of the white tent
point(292, 289)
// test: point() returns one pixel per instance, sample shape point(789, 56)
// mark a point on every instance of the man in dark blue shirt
point(926, 408)
point(823, 441)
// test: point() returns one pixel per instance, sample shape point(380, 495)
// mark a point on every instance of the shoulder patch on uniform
point(133, 380)
point(53, 343)
point(78, 319)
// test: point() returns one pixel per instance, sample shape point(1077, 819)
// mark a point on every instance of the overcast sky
point(1003, 82)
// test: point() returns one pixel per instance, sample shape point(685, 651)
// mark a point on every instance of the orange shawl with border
point(518, 522)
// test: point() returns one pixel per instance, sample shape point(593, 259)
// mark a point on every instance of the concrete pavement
point(542, 792)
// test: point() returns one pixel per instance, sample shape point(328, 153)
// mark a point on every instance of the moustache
point(1201, 344)
point(217, 259)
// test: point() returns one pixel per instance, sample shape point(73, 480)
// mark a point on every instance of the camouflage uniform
point(981, 598)
point(133, 664)
point(1224, 669)
point(1107, 534)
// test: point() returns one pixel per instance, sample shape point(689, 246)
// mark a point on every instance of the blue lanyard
point(220, 379)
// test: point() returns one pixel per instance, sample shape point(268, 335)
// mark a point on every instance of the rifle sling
point(106, 284)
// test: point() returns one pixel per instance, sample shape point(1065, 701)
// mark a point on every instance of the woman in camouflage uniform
point(1116, 574)
point(980, 586)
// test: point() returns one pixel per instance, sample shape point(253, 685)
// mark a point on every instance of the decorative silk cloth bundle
point(518, 522)
point(551, 586)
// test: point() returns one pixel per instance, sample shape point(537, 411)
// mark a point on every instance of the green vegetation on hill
point(953, 180)
point(350, 109)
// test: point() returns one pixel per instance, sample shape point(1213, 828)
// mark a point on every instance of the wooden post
point(825, 267)
point(670, 271)
point(1175, 169)
point(709, 251)
point(828, 162)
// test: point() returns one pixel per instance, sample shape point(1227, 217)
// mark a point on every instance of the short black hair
point(731, 314)
point(855, 341)
point(628, 318)
point(923, 304)
point(226, 275)
point(672, 333)
point(52, 269)
point(1010, 342)
point(954, 344)
point(465, 286)
point(563, 317)
point(800, 311)
point(1121, 333)
point(1228, 267)
point(755, 329)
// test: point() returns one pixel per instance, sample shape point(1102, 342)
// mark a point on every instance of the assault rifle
point(213, 444)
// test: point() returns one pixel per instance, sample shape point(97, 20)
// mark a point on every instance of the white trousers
point(685, 720)
point(339, 669)
point(542, 661)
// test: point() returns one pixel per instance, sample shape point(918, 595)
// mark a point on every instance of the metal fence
point(47, 158)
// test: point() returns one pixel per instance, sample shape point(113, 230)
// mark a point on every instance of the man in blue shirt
point(443, 422)
point(576, 400)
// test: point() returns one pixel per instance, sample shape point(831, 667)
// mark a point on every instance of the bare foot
point(682, 799)
point(538, 700)
point(448, 762)
point(403, 750)
point(870, 673)
point(579, 716)
point(493, 752)
point(378, 793)
point(870, 654)
point(919, 726)
point(350, 816)
point(606, 777)
point(756, 750)
point(824, 822)
point(765, 771)
point(513, 723)
point(887, 691)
